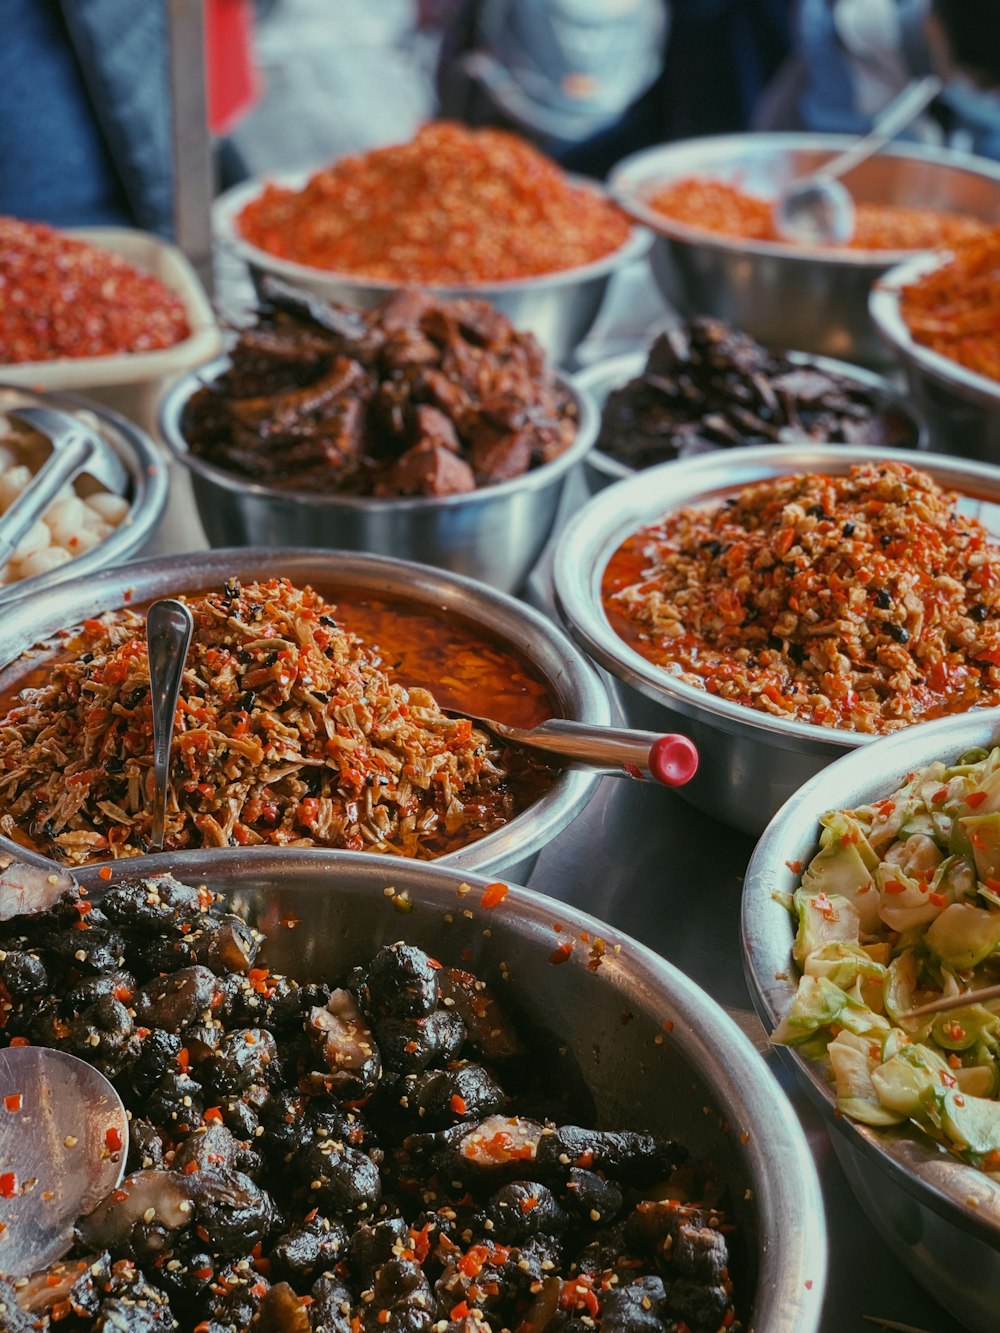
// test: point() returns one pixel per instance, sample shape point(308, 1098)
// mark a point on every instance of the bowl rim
point(594, 532)
point(633, 177)
point(552, 655)
point(884, 308)
point(701, 1027)
point(121, 368)
point(177, 394)
point(228, 205)
point(625, 366)
point(767, 932)
point(147, 473)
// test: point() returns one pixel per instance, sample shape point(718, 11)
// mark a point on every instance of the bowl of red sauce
point(784, 605)
point(939, 315)
point(457, 211)
point(310, 714)
point(709, 202)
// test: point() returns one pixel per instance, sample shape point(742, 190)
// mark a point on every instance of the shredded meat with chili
point(289, 730)
point(863, 601)
point(955, 309)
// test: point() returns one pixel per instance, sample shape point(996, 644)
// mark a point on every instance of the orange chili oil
point(465, 669)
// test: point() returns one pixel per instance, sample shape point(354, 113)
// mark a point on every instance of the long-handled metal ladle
point(670, 759)
point(75, 449)
point(63, 1144)
point(818, 209)
point(169, 626)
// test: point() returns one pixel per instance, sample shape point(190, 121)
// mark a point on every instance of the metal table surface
point(644, 861)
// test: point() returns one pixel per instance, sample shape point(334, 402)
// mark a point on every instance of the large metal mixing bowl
point(939, 1216)
point(786, 295)
point(575, 688)
point(962, 407)
point(148, 484)
point(678, 1066)
point(750, 762)
point(558, 308)
point(601, 378)
point(494, 534)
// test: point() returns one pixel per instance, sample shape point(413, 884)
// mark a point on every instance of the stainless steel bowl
point(750, 762)
point(940, 1217)
point(558, 308)
point(574, 686)
point(962, 407)
point(494, 534)
point(601, 378)
point(784, 295)
point(680, 1066)
point(148, 485)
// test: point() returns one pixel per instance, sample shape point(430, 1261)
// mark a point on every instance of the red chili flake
point(8, 1185)
point(975, 799)
point(13, 1101)
point(458, 1104)
point(894, 886)
point(460, 1311)
point(191, 1168)
point(794, 866)
point(668, 1025)
point(493, 895)
point(184, 1059)
point(526, 1205)
point(938, 899)
point(105, 872)
point(212, 1116)
point(562, 954)
point(113, 1139)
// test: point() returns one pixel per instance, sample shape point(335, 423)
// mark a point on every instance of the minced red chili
point(63, 297)
point(454, 205)
point(727, 210)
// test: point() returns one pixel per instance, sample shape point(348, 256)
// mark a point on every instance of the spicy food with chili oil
point(293, 728)
point(453, 206)
point(862, 601)
point(372, 1145)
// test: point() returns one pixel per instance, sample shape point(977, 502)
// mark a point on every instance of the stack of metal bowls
point(962, 407)
point(788, 295)
point(940, 1217)
point(147, 494)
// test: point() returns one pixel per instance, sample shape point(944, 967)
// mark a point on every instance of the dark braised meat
point(707, 387)
point(348, 1156)
point(419, 396)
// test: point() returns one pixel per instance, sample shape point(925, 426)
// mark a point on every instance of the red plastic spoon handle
point(673, 760)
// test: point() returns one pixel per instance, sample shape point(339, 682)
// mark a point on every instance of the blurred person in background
point(851, 57)
point(86, 132)
point(592, 80)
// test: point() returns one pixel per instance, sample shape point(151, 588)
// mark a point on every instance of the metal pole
point(194, 175)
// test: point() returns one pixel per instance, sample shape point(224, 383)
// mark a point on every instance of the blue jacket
point(85, 134)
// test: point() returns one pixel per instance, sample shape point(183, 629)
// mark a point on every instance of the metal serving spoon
point(817, 209)
point(671, 759)
point(75, 449)
point(63, 1145)
point(169, 626)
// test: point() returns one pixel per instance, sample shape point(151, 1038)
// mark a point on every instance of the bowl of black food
point(703, 386)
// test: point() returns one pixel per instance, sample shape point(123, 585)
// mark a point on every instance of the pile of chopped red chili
point(719, 207)
point(290, 730)
point(864, 601)
point(63, 297)
point(955, 309)
point(454, 205)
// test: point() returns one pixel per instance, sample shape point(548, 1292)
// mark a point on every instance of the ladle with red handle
point(670, 759)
